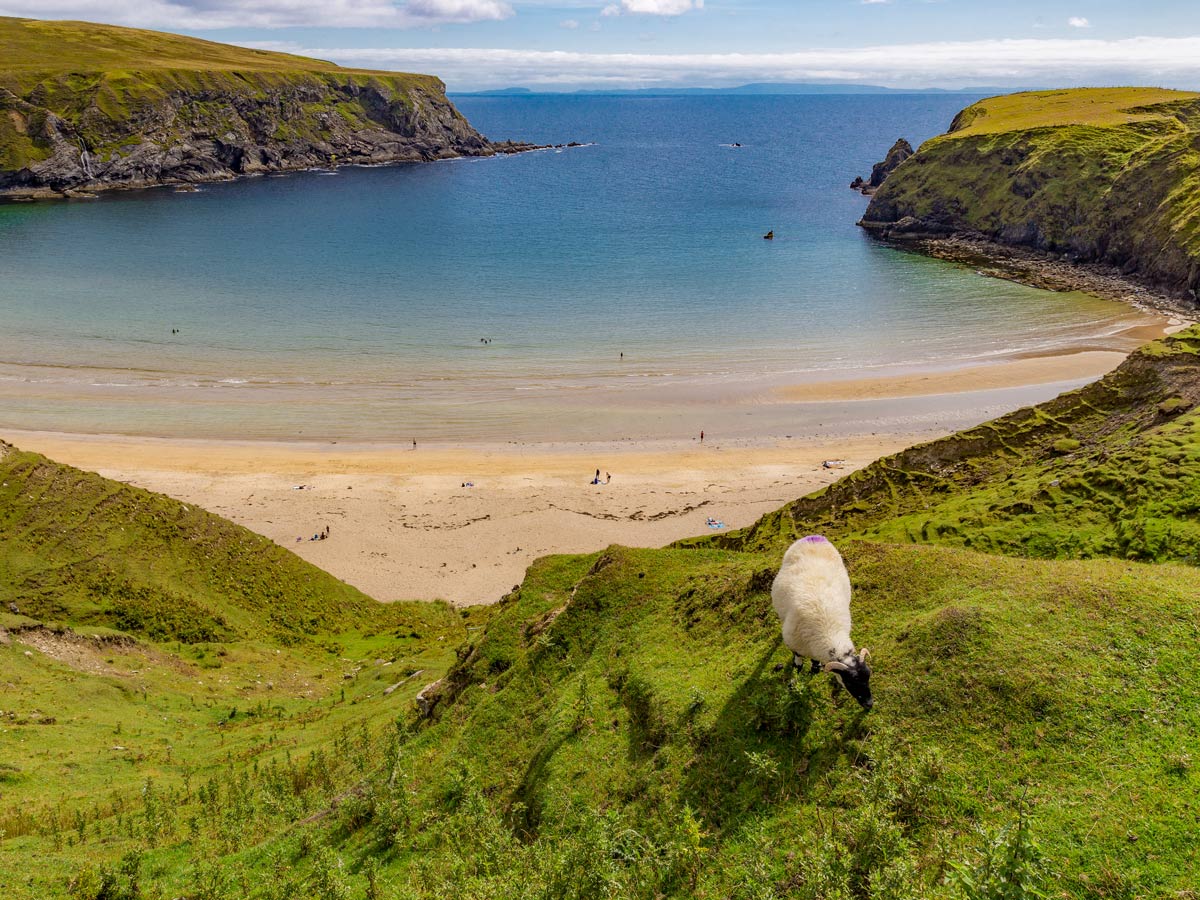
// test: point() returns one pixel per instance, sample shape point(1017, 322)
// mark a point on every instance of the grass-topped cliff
point(86, 107)
point(1107, 175)
point(616, 727)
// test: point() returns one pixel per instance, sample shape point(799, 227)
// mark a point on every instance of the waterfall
point(85, 160)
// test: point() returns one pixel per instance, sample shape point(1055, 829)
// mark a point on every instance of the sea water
point(622, 288)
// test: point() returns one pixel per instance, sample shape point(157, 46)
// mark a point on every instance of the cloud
point(1023, 62)
point(1079, 22)
point(458, 10)
point(569, 24)
point(205, 14)
point(652, 7)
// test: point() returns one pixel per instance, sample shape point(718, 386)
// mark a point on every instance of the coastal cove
point(623, 288)
point(387, 514)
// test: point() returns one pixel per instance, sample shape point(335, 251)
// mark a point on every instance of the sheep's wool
point(811, 596)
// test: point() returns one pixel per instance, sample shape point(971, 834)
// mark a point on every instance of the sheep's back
point(811, 596)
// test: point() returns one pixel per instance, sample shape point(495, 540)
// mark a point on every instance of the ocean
point(619, 290)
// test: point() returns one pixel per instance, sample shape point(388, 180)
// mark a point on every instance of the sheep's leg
point(794, 665)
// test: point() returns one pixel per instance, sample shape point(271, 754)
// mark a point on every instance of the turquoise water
point(351, 305)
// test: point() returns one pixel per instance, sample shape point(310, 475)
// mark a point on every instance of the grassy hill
point(618, 727)
point(84, 551)
point(59, 47)
point(87, 107)
point(1108, 175)
point(148, 648)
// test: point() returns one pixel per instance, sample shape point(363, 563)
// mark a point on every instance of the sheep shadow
point(763, 749)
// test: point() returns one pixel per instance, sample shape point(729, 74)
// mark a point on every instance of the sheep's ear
point(863, 654)
point(836, 666)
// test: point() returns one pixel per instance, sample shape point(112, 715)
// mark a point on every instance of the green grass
point(1097, 107)
point(112, 89)
point(1109, 175)
point(621, 725)
point(59, 47)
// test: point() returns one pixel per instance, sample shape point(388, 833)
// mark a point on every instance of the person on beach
point(702, 437)
point(607, 477)
point(414, 443)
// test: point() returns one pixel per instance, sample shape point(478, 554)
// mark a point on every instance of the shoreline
point(1024, 371)
point(1041, 269)
point(95, 190)
point(462, 521)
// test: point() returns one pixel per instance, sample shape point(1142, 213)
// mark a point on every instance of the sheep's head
point(855, 674)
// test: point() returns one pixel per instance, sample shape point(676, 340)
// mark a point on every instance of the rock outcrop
point(69, 133)
point(901, 150)
point(1106, 176)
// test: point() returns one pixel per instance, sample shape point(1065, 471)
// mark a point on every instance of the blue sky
point(560, 44)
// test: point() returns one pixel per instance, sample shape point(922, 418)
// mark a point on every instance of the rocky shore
point(1048, 271)
point(87, 108)
point(226, 128)
point(1098, 181)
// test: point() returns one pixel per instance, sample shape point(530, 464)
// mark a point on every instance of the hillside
point(618, 726)
point(148, 647)
point(87, 107)
point(83, 551)
point(1108, 175)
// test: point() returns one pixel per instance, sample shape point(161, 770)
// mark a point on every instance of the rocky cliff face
point(63, 134)
point(901, 150)
point(1109, 176)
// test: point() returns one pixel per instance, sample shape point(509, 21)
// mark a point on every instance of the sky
point(569, 44)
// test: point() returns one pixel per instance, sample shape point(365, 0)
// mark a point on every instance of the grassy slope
point(82, 550)
point(99, 77)
point(46, 47)
point(1109, 174)
point(619, 729)
point(156, 641)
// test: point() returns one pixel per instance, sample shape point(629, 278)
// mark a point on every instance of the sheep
point(811, 596)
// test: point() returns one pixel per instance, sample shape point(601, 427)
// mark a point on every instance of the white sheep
point(811, 596)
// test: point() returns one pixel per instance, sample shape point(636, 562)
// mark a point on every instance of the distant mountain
point(761, 89)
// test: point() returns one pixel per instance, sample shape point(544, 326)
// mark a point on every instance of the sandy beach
point(404, 526)
point(462, 523)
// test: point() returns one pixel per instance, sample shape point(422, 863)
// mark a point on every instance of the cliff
point(901, 150)
point(87, 107)
point(1106, 175)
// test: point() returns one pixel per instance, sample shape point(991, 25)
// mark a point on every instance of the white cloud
point(569, 24)
point(203, 14)
point(459, 10)
point(1079, 22)
point(1023, 62)
point(652, 7)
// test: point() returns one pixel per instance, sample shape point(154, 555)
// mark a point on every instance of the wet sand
point(462, 523)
